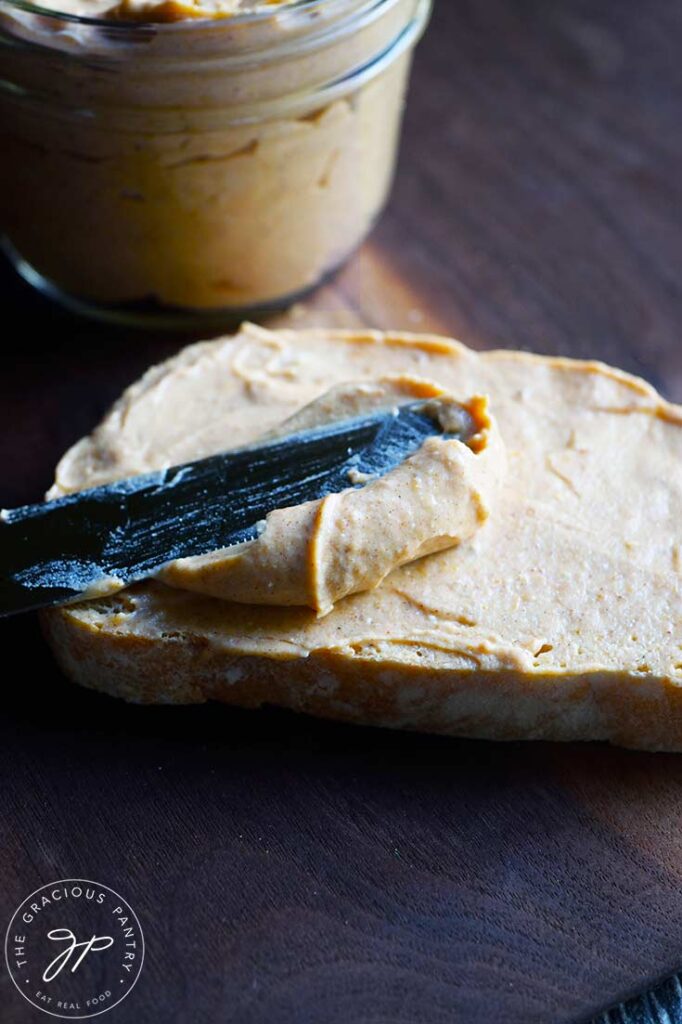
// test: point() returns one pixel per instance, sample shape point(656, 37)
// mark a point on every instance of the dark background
point(298, 872)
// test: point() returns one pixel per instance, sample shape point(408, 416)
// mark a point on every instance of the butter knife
point(68, 549)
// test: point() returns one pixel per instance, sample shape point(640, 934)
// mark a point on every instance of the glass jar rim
point(236, 42)
point(291, 8)
point(177, 55)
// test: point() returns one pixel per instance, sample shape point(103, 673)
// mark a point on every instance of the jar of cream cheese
point(174, 161)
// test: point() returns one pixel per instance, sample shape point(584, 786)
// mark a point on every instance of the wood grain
point(295, 872)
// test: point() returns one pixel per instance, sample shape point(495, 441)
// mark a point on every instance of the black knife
point(64, 550)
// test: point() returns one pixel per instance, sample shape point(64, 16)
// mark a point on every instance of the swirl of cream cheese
point(319, 552)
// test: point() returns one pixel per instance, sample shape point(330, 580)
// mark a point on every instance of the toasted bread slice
point(560, 619)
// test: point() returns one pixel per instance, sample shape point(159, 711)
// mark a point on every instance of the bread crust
point(643, 713)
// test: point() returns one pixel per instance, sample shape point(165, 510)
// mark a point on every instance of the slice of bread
point(560, 619)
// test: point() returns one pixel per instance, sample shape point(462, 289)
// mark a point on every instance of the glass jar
point(175, 173)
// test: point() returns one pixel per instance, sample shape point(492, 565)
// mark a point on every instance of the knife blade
point(62, 551)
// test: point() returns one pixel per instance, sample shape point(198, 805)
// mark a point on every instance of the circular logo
point(74, 948)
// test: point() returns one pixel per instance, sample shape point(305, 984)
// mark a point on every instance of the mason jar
point(179, 172)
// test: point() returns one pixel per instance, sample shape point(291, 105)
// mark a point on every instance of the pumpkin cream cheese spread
point(321, 551)
point(554, 611)
point(152, 11)
point(179, 10)
point(206, 164)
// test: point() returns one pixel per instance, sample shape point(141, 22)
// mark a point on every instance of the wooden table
point(294, 872)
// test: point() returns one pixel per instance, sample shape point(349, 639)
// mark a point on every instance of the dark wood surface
point(293, 872)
